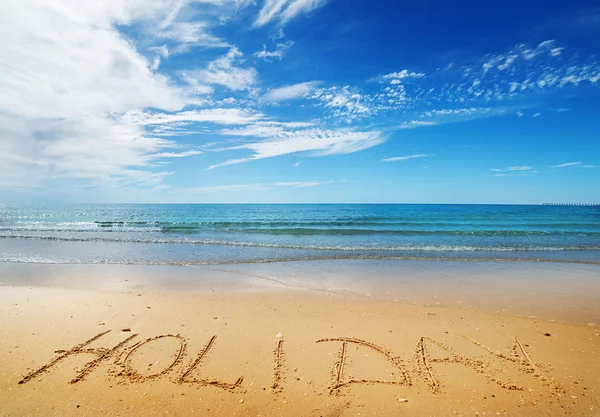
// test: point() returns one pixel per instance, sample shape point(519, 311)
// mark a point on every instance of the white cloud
point(458, 112)
point(66, 76)
point(444, 116)
point(225, 72)
point(520, 114)
point(257, 186)
point(285, 10)
point(515, 168)
point(546, 47)
point(507, 62)
point(469, 91)
point(290, 92)
point(521, 71)
point(178, 154)
point(217, 116)
point(191, 34)
point(280, 34)
point(185, 24)
point(284, 141)
point(404, 158)
point(161, 52)
point(346, 103)
point(278, 54)
point(266, 129)
point(567, 164)
point(417, 123)
point(194, 83)
point(536, 114)
point(515, 171)
point(487, 87)
point(520, 168)
point(396, 76)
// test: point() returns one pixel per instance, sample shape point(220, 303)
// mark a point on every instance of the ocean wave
point(345, 248)
point(405, 232)
point(281, 228)
point(297, 223)
point(155, 262)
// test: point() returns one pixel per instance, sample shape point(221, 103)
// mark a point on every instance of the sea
point(163, 234)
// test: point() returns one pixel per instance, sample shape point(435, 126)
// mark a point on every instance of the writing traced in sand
point(187, 378)
point(424, 361)
point(125, 351)
point(339, 380)
point(101, 353)
point(131, 373)
point(277, 368)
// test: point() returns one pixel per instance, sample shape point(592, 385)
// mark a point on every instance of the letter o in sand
point(135, 376)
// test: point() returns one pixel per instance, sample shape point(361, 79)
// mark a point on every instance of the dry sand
point(282, 353)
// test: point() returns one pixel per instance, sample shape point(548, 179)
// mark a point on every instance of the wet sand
point(259, 340)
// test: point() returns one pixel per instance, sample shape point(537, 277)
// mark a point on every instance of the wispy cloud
point(221, 116)
point(525, 69)
point(515, 171)
point(283, 140)
point(285, 10)
point(567, 164)
point(266, 129)
point(514, 168)
point(404, 158)
point(445, 116)
point(290, 92)
point(188, 34)
point(257, 186)
point(225, 71)
point(496, 82)
point(397, 77)
point(276, 55)
point(346, 103)
point(417, 123)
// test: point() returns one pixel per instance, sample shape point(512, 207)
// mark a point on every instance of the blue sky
point(299, 101)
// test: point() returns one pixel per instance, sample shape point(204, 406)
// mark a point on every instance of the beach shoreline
point(565, 293)
point(284, 340)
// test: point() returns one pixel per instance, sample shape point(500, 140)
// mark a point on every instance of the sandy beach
point(124, 346)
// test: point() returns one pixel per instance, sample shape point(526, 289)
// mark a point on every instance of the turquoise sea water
point(207, 234)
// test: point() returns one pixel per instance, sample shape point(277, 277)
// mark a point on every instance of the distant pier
point(571, 205)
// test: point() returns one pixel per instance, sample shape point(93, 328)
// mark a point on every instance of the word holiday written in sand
point(121, 357)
